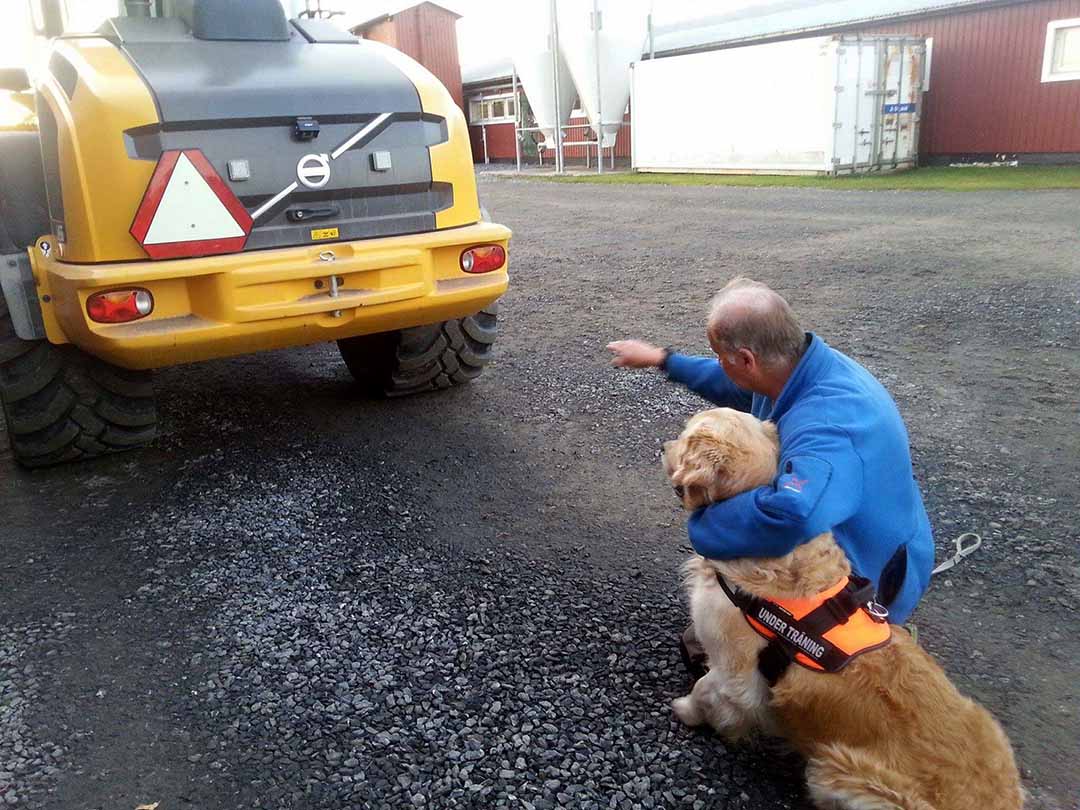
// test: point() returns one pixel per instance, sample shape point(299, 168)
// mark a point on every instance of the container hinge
point(20, 291)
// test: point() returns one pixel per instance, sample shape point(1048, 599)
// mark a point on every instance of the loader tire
point(423, 358)
point(62, 405)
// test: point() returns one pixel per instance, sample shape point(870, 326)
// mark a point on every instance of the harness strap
point(791, 637)
point(773, 662)
point(775, 658)
point(840, 608)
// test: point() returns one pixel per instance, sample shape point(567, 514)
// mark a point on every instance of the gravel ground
point(300, 598)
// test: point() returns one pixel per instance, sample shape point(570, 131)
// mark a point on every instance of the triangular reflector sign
point(188, 210)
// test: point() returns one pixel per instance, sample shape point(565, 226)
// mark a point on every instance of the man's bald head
point(746, 314)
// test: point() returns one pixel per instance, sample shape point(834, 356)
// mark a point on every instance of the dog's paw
point(687, 711)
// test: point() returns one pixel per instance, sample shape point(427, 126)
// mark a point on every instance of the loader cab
point(30, 25)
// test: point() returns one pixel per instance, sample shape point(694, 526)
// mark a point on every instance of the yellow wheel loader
point(209, 178)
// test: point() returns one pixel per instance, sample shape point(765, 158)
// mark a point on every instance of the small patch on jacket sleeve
point(800, 485)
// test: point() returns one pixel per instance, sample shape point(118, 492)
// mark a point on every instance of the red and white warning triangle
point(188, 210)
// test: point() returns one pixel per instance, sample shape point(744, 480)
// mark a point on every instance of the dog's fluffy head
point(721, 453)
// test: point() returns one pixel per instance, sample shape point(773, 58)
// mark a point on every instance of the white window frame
point(488, 99)
point(1048, 73)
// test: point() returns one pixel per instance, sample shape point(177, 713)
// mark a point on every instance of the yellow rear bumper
point(238, 303)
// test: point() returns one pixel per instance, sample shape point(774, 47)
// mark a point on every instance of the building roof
point(490, 71)
point(785, 18)
point(376, 12)
point(758, 21)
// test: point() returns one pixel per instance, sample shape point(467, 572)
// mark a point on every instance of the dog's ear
point(705, 454)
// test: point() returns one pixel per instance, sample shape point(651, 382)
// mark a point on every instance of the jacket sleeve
point(706, 378)
point(819, 486)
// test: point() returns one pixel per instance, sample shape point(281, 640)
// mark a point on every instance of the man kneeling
point(845, 464)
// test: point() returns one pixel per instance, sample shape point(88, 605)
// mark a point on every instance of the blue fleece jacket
point(845, 466)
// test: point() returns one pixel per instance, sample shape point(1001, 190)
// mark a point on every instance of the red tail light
point(483, 259)
point(119, 306)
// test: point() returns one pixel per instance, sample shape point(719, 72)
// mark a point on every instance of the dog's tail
point(844, 777)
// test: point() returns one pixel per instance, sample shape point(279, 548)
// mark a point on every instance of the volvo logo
point(314, 170)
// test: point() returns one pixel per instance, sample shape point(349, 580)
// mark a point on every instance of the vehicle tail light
point(483, 259)
point(119, 306)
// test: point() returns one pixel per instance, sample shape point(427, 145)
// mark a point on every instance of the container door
point(902, 73)
point(911, 99)
point(856, 106)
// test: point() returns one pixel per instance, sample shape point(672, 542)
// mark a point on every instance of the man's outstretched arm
point(705, 377)
point(702, 375)
point(818, 487)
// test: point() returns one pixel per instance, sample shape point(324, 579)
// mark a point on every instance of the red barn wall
point(500, 142)
point(986, 91)
point(584, 132)
point(428, 34)
point(384, 32)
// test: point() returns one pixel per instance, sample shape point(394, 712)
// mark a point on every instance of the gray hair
point(747, 314)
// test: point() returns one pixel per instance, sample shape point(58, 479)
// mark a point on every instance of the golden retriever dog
point(888, 730)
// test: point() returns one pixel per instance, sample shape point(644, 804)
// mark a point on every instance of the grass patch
point(931, 178)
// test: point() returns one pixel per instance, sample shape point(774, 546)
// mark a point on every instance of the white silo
point(600, 38)
point(535, 63)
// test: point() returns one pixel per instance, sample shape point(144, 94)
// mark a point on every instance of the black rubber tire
point(62, 405)
point(424, 358)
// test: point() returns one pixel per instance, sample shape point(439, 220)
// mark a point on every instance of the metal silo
point(600, 38)
point(536, 61)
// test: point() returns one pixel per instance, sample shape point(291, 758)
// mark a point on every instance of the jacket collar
point(806, 373)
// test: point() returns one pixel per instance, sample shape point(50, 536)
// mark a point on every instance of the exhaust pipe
point(48, 18)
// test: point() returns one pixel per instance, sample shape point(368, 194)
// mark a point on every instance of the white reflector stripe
point(266, 206)
point(341, 150)
point(190, 211)
point(345, 147)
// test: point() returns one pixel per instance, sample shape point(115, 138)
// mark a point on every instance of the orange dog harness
point(822, 633)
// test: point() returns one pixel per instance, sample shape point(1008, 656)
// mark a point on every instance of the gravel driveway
point(300, 598)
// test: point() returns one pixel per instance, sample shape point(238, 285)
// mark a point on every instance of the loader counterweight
point(215, 183)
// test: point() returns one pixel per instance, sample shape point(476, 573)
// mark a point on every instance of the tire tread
point(60, 404)
point(424, 358)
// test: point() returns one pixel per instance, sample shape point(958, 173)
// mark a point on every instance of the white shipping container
point(821, 105)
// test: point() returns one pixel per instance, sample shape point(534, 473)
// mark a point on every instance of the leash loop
point(966, 544)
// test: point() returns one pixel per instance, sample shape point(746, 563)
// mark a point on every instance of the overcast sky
point(485, 31)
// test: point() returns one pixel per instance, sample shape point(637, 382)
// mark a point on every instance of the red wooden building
point(1004, 80)
point(489, 93)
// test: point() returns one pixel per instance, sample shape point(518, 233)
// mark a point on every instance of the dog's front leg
point(712, 702)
